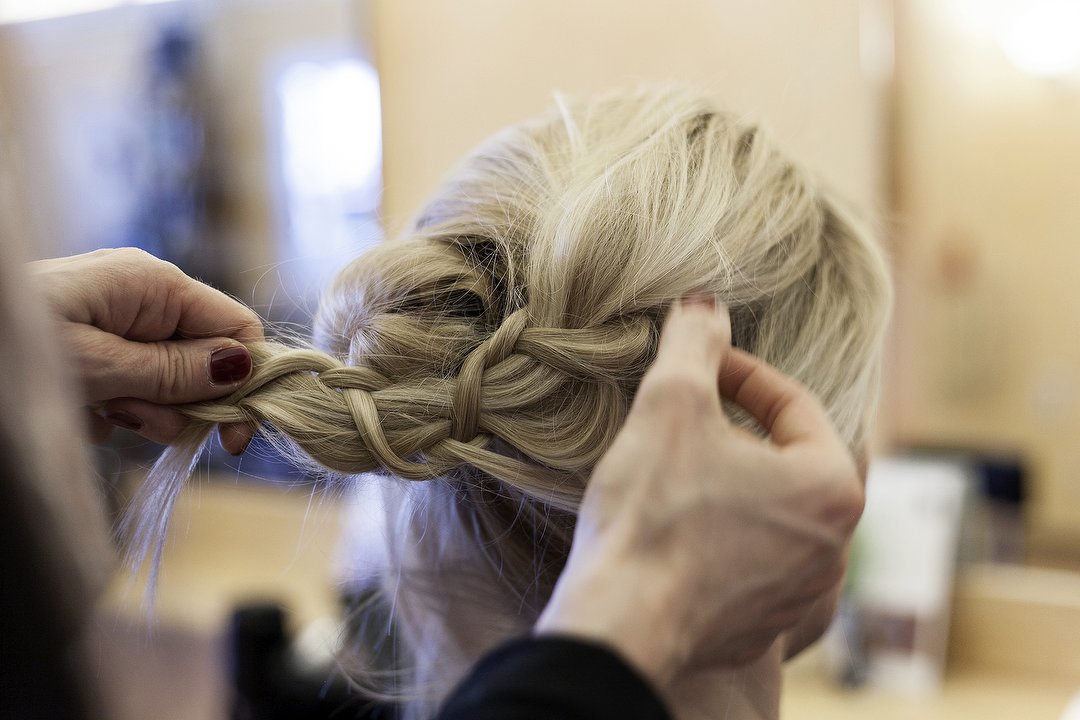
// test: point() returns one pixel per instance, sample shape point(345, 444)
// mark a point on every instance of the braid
point(467, 390)
point(354, 419)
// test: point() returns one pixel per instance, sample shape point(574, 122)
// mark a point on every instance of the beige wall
point(452, 73)
point(988, 174)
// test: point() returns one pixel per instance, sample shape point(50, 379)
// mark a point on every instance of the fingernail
point(705, 300)
point(241, 451)
point(229, 365)
point(126, 420)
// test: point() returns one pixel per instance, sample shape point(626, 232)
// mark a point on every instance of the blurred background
point(261, 144)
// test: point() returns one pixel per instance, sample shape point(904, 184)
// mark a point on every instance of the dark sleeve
point(553, 678)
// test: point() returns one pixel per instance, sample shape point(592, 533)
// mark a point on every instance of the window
point(330, 162)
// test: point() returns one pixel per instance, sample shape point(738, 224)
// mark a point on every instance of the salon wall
point(453, 73)
point(988, 219)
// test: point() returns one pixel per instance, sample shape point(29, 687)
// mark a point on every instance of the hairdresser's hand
point(698, 543)
point(143, 336)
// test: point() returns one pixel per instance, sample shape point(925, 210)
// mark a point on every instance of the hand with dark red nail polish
point(229, 366)
point(145, 336)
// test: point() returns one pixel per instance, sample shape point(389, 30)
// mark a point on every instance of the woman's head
point(535, 280)
point(495, 348)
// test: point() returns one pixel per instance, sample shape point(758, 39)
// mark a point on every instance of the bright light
point(331, 155)
point(333, 137)
point(1043, 37)
point(14, 11)
point(974, 18)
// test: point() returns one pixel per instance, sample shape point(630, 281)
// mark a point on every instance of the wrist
point(625, 608)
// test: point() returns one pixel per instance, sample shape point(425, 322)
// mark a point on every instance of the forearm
point(624, 607)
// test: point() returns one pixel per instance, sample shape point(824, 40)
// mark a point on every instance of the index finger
point(206, 312)
point(785, 409)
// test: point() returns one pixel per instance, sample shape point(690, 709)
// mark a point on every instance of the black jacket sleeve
point(553, 679)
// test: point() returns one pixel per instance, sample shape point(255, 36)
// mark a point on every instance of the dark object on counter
point(996, 526)
point(269, 684)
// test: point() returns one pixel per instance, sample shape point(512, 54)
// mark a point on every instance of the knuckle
point(141, 261)
point(854, 501)
point(678, 389)
point(175, 373)
point(132, 256)
point(837, 491)
point(134, 253)
point(848, 499)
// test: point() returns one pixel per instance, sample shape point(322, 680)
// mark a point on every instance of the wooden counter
point(965, 695)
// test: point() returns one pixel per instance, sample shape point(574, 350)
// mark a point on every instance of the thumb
point(168, 372)
point(694, 342)
point(696, 337)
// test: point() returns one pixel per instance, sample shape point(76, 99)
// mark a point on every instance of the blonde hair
point(494, 350)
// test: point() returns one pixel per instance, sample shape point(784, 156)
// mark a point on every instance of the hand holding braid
point(354, 419)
